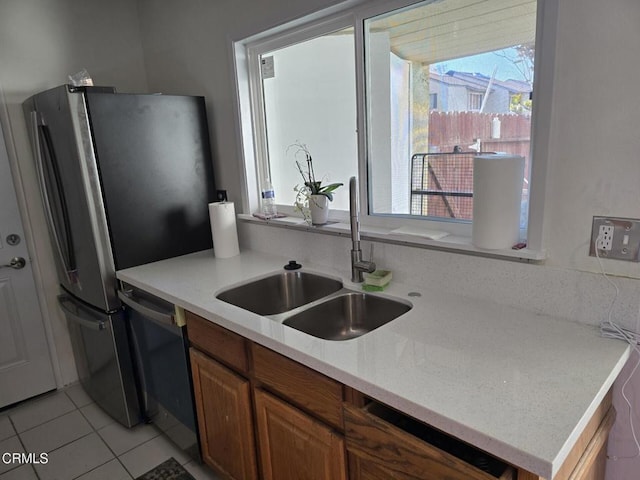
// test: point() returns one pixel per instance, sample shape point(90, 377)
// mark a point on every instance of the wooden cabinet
point(223, 402)
point(299, 423)
point(293, 445)
point(263, 415)
point(311, 391)
point(363, 469)
point(384, 443)
point(218, 342)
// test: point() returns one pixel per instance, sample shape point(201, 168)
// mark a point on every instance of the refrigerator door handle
point(161, 317)
point(65, 303)
point(41, 134)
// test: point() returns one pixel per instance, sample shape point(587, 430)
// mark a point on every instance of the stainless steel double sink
point(317, 305)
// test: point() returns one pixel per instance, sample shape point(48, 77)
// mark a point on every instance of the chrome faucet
point(358, 266)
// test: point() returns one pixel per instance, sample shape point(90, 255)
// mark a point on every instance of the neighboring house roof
point(517, 86)
point(478, 81)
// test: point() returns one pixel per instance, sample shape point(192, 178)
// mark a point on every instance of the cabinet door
point(294, 446)
point(223, 402)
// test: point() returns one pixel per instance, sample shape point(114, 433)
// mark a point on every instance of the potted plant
point(312, 198)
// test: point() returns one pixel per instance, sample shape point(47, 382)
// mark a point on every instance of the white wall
point(187, 50)
point(41, 43)
point(311, 99)
point(594, 167)
point(593, 148)
point(595, 127)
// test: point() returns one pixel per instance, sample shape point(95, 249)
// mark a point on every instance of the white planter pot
point(319, 207)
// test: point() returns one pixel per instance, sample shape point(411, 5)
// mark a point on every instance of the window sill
point(451, 243)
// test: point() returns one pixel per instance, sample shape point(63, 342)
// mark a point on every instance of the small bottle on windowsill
point(269, 209)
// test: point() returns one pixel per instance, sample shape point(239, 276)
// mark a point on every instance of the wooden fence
point(457, 131)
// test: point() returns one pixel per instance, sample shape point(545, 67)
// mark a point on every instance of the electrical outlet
point(605, 238)
point(616, 238)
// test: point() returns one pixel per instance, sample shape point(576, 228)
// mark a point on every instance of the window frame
point(433, 101)
point(246, 53)
point(473, 99)
point(255, 147)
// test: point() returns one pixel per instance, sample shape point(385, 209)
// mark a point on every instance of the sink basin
point(347, 315)
point(280, 292)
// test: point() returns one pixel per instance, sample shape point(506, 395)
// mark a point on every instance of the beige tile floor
point(82, 442)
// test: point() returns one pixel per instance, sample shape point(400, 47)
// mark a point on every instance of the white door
point(25, 362)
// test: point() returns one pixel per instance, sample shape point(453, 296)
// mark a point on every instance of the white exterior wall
point(326, 123)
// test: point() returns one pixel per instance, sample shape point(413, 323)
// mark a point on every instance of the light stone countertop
point(518, 385)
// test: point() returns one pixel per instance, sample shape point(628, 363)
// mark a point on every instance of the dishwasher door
point(161, 354)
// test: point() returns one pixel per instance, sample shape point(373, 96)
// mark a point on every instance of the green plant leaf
point(330, 188)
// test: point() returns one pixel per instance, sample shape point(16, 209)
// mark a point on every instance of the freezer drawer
point(101, 350)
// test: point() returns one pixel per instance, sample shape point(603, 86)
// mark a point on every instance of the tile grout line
point(43, 396)
point(101, 465)
point(92, 429)
point(95, 430)
point(84, 415)
point(23, 448)
point(115, 456)
point(125, 467)
point(55, 418)
point(76, 408)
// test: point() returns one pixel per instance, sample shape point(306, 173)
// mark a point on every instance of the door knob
point(16, 262)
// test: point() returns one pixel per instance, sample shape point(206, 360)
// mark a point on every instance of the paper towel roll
point(497, 195)
point(223, 229)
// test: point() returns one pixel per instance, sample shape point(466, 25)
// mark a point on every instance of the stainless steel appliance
point(160, 348)
point(125, 180)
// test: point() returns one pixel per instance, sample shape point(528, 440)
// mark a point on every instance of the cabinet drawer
point(218, 342)
point(382, 436)
point(302, 386)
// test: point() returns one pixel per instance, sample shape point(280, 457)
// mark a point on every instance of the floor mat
point(169, 470)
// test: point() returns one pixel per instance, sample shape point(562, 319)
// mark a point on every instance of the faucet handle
point(371, 252)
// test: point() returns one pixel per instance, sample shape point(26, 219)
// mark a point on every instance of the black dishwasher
point(160, 351)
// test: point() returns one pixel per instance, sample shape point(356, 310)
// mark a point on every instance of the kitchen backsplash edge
point(574, 295)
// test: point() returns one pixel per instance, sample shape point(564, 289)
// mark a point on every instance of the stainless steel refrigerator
point(125, 180)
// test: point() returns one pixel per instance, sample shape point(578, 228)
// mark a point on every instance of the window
point(393, 95)
point(309, 97)
point(475, 101)
point(299, 88)
point(433, 101)
point(477, 60)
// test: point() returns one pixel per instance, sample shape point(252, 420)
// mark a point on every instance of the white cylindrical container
point(223, 229)
point(319, 208)
point(495, 127)
point(497, 195)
